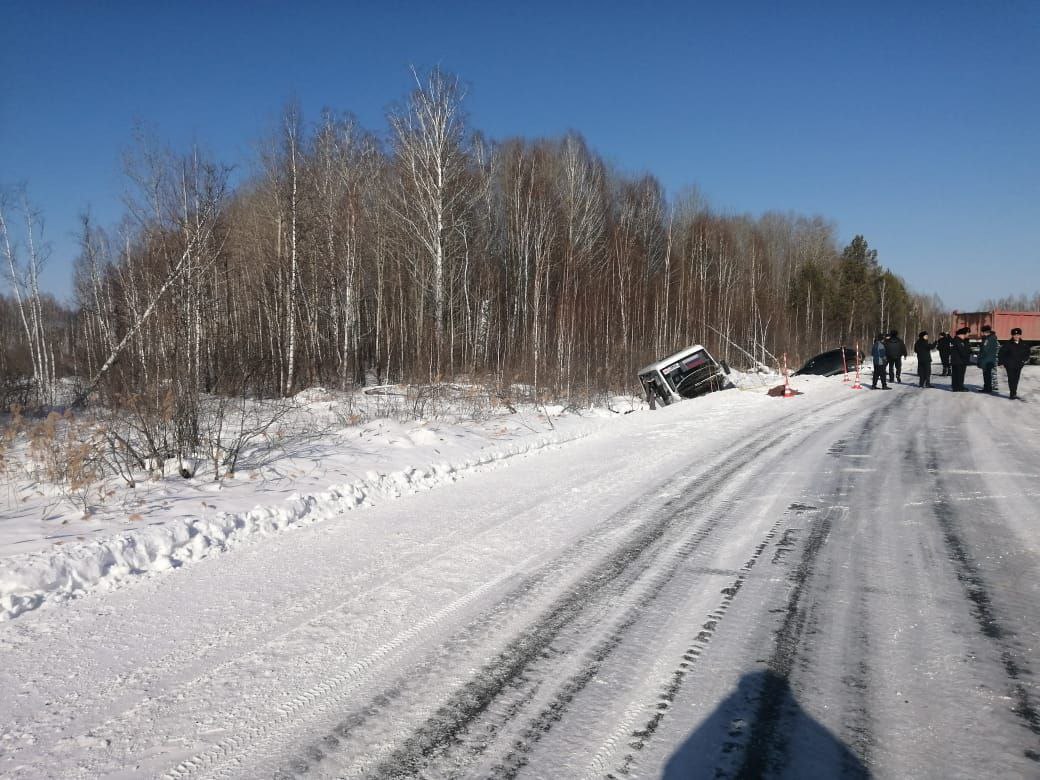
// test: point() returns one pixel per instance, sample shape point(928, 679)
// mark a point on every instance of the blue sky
point(915, 124)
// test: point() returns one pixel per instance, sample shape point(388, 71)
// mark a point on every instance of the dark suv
point(830, 363)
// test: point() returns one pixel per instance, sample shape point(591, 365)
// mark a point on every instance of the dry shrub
point(8, 434)
point(65, 452)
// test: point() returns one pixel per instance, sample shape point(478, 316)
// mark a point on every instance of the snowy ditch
point(27, 582)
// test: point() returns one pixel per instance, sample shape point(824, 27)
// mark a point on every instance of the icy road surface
point(843, 584)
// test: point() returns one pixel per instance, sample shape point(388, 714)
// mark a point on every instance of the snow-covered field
point(839, 582)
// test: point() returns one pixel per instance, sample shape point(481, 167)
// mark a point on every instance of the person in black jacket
point(988, 352)
point(944, 345)
point(960, 357)
point(895, 349)
point(877, 352)
point(923, 348)
point(1013, 355)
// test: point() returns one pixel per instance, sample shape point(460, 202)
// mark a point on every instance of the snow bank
point(31, 580)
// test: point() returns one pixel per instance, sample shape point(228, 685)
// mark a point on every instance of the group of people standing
point(889, 350)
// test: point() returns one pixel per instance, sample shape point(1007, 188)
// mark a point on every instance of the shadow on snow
point(760, 731)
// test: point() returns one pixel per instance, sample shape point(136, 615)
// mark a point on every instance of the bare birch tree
point(432, 195)
point(24, 281)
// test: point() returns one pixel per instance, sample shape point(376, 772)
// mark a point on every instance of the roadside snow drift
point(27, 581)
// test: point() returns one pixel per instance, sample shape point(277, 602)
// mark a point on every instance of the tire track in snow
point(270, 630)
point(442, 732)
point(602, 541)
point(983, 609)
point(765, 740)
point(590, 663)
point(638, 739)
point(520, 655)
point(330, 691)
point(757, 736)
point(859, 719)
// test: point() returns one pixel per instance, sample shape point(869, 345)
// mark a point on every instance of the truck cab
point(689, 373)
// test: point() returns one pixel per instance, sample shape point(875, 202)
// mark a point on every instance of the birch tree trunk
point(292, 140)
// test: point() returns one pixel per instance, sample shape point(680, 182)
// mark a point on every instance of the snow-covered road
point(840, 584)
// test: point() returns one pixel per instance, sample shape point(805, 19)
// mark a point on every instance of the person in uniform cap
point(923, 348)
point(895, 351)
point(960, 357)
point(1013, 355)
point(988, 359)
point(944, 345)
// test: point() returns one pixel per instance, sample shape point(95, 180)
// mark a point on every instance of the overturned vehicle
point(686, 374)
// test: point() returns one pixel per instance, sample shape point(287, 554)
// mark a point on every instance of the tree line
point(1020, 302)
point(423, 254)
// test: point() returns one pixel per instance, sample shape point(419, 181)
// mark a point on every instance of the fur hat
point(985, 328)
point(963, 331)
point(1016, 331)
point(922, 334)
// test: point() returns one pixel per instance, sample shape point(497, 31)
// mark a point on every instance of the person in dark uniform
point(988, 359)
point(877, 352)
point(960, 357)
point(1013, 355)
point(923, 349)
point(944, 345)
point(895, 351)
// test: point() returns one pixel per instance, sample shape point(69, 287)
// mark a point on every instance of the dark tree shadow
point(760, 731)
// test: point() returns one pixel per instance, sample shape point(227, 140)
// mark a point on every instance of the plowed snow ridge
point(30, 581)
